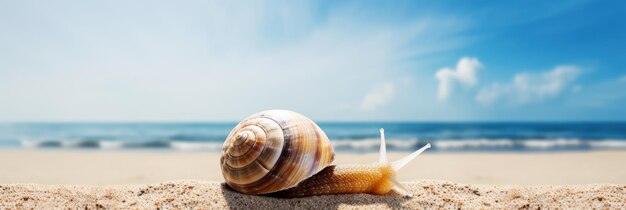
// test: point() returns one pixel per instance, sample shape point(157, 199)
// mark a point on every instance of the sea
point(357, 137)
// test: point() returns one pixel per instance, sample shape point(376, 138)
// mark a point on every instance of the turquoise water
point(351, 137)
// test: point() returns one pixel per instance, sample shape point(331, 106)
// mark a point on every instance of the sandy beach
point(211, 195)
point(149, 167)
point(150, 179)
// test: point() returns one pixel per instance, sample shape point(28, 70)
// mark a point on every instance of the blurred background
point(479, 76)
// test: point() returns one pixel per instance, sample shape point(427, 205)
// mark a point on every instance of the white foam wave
point(476, 143)
point(28, 143)
point(110, 144)
point(196, 146)
point(372, 144)
point(360, 145)
point(543, 143)
point(31, 143)
point(609, 144)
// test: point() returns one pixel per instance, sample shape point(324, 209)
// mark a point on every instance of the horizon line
point(319, 121)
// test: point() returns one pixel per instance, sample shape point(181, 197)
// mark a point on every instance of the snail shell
point(272, 151)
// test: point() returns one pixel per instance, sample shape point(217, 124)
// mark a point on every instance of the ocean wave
point(609, 144)
point(543, 144)
point(360, 145)
point(477, 143)
point(118, 144)
point(197, 146)
point(28, 143)
point(372, 144)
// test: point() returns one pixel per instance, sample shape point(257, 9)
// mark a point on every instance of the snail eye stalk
point(398, 164)
point(382, 156)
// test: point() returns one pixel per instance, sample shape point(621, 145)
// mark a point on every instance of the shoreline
point(211, 195)
point(344, 145)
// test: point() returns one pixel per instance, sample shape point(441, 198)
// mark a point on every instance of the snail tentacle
point(398, 164)
point(382, 156)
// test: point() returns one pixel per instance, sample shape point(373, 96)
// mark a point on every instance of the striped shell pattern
point(272, 151)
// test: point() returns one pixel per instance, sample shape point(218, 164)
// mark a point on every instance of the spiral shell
point(272, 151)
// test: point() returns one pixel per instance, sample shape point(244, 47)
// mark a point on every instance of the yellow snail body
point(284, 154)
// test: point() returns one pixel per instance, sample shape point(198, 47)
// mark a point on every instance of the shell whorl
point(272, 151)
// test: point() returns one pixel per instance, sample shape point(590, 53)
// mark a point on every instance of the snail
point(282, 153)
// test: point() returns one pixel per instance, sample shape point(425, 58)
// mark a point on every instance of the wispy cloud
point(379, 96)
point(185, 61)
point(465, 73)
point(623, 78)
point(527, 87)
point(600, 95)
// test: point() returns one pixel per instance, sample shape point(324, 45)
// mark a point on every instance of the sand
point(126, 167)
point(124, 179)
point(211, 195)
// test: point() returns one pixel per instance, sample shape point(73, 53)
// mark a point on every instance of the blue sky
point(330, 60)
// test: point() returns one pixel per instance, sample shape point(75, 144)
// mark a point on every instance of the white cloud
point(527, 87)
point(378, 97)
point(465, 73)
